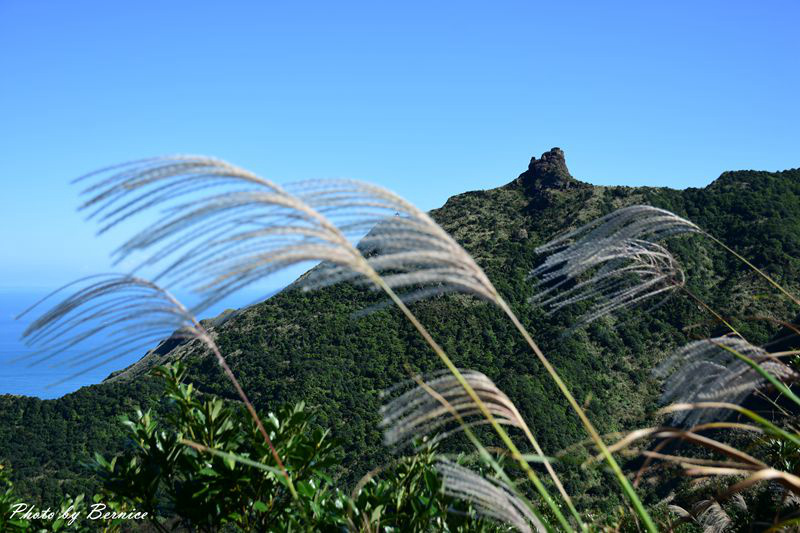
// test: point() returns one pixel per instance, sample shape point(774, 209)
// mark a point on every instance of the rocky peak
point(548, 172)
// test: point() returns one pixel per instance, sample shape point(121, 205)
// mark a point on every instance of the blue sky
point(427, 98)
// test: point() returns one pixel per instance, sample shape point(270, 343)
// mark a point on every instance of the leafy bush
point(207, 468)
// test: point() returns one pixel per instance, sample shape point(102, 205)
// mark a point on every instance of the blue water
point(42, 379)
point(22, 378)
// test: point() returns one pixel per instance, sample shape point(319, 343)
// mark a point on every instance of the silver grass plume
point(680, 511)
point(705, 371)
point(614, 259)
point(131, 314)
point(738, 501)
point(221, 227)
point(127, 313)
point(712, 517)
point(413, 412)
point(709, 514)
point(399, 241)
point(490, 497)
point(638, 222)
point(626, 273)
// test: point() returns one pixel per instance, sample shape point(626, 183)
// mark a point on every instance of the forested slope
point(314, 346)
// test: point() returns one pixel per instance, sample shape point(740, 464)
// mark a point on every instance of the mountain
point(317, 347)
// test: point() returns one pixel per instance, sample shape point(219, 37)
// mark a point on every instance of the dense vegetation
point(168, 485)
point(312, 347)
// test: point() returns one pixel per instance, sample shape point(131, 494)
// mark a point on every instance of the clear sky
point(427, 98)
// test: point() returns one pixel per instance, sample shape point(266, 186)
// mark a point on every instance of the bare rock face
point(548, 172)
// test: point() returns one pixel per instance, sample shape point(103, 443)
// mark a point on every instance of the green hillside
point(314, 346)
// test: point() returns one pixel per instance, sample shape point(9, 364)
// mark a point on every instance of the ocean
point(41, 380)
point(20, 377)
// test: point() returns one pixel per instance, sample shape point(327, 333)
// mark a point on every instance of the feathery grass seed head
point(705, 371)
point(490, 497)
point(615, 274)
point(635, 222)
point(403, 244)
point(413, 412)
point(128, 314)
point(614, 259)
point(221, 227)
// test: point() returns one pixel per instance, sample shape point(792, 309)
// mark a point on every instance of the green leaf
point(237, 458)
point(376, 514)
